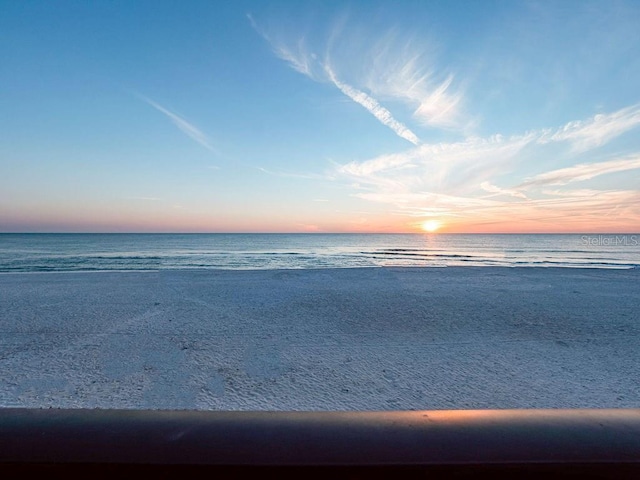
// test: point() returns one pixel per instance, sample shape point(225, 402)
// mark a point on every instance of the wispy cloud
point(472, 163)
point(497, 191)
point(475, 180)
point(371, 104)
point(296, 55)
point(387, 66)
point(438, 107)
point(602, 210)
point(183, 125)
point(403, 68)
point(581, 192)
point(459, 181)
point(445, 204)
point(450, 167)
point(596, 131)
point(581, 172)
point(309, 65)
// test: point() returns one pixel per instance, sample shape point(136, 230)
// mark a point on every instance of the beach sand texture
point(334, 339)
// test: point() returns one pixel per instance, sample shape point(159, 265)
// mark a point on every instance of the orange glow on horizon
point(54, 218)
point(431, 226)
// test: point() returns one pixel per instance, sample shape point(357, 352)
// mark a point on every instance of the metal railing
point(499, 442)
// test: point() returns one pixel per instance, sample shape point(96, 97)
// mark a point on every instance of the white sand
point(351, 339)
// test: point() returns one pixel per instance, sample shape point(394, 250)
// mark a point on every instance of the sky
point(257, 116)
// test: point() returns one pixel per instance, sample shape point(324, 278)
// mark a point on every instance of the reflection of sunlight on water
point(72, 252)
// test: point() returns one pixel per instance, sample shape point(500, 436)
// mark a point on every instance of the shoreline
point(318, 269)
point(369, 338)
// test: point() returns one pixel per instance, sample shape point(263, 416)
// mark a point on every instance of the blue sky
point(320, 116)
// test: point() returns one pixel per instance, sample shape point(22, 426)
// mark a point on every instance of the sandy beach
point(334, 339)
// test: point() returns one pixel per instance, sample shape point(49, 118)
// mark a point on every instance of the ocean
point(123, 252)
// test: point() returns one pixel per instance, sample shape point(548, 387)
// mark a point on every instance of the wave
point(424, 255)
point(37, 253)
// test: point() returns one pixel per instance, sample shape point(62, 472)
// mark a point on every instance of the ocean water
point(94, 252)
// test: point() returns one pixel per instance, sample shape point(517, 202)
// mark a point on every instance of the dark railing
point(500, 443)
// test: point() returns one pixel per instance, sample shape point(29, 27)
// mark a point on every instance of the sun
point(431, 225)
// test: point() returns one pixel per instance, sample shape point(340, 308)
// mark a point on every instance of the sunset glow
point(251, 117)
point(431, 226)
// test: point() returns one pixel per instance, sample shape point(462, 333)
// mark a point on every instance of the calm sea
point(84, 252)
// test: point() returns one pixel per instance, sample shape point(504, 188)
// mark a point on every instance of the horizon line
point(318, 233)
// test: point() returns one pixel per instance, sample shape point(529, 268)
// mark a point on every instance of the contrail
point(371, 104)
point(185, 127)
